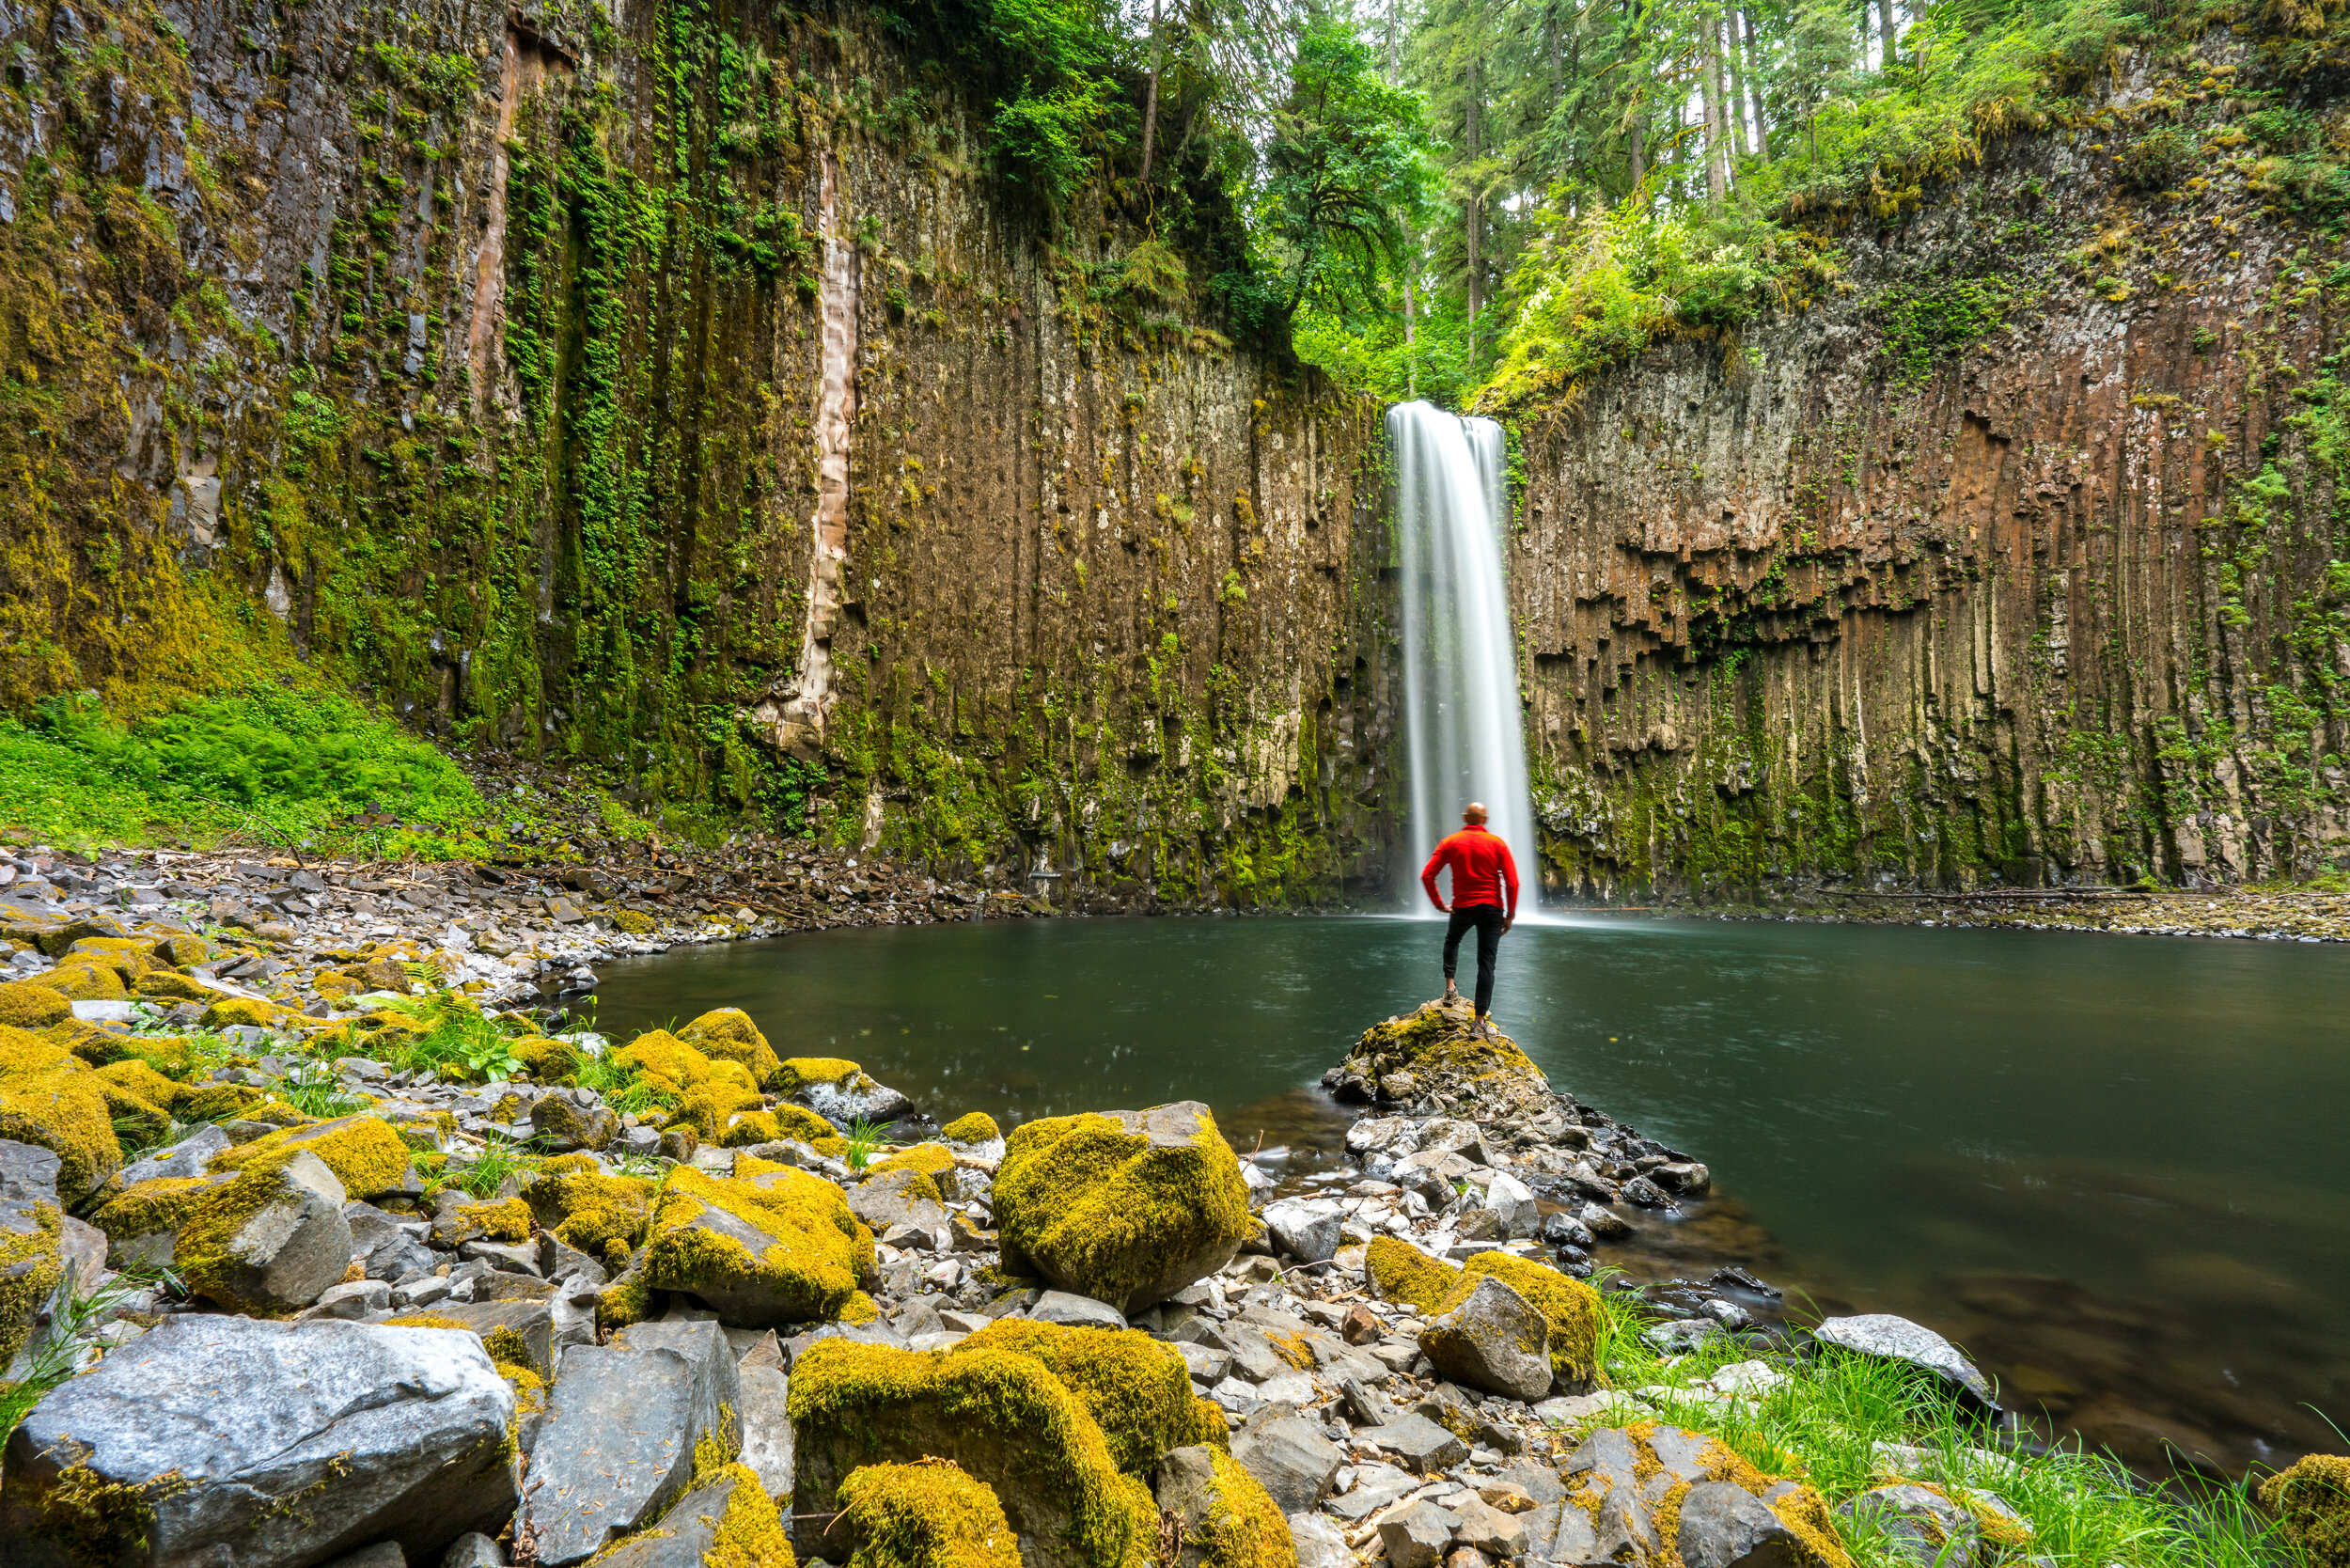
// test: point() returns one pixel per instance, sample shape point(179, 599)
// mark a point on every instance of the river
point(2112, 1167)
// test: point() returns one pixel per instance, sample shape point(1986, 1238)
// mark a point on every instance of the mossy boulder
point(727, 1034)
point(933, 1160)
point(2312, 1502)
point(671, 1067)
point(707, 1107)
point(1002, 1417)
point(560, 1122)
point(1226, 1516)
point(1127, 1208)
point(767, 1246)
point(167, 985)
point(51, 1099)
point(230, 1013)
point(31, 1264)
point(978, 1127)
point(134, 1076)
point(838, 1091)
point(1136, 1389)
point(926, 1515)
point(1399, 1271)
point(589, 1209)
point(366, 1154)
point(268, 1241)
point(86, 982)
point(549, 1061)
point(29, 1005)
point(508, 1219)
point(1432, 1050)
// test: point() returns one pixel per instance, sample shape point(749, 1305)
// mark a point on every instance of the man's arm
point(1509, 878)
point(1428, 879)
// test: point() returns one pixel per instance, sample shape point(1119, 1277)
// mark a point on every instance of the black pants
point(1486, 918)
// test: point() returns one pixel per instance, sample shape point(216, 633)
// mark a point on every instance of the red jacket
point(1481, 865)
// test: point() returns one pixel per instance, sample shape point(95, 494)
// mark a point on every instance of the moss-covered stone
point(549, 1061)
point(264, 1243)
point(363, 1152)
point(749, 1531)
point(30, 1268)
point(86, 982)
point(978, 1127)
point(152, 1207)
point(926, 1515)
point(1128, 1208)
point(1399, 1271)
point(671, 1067)
point(51, 1099)
point(29, 1005)
point(2311, 1502)
point(1136, 1389)
point(508, 1219)
point(171, 986)
point(933, 1160)
point(136, 1076)
point(1228, 1519)
point(769, 1245)
point(242, 1012)
point(727, 1034)
point(710, 1106)
point(1432, 1047)
point(1002, 1417)
point(798, 1072)
point(588, 1209)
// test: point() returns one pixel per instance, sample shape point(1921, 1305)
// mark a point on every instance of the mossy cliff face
point(678, 391)
point(2019, 555)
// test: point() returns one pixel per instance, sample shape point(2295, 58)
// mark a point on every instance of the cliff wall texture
point(669, 386)
point(2019, 557)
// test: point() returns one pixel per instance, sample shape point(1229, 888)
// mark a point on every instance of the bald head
point(1473, 813)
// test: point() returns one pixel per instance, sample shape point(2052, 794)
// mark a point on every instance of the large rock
point(769, 1245)
point(1127, 1208)
point(622, 1422)
point(766, 1418)
point(1416, 1443)
point(1494, 1340)
point(32, 1265)
point(51, 1099)
point(266, 1242)
point(727, 1518)
point(841, 1091)
point(926, 1515)
point(1224, 1516)
point(1919, 1525)
point(232, 1441)
point(893, 1197)
point(1307, 1229)
point(1894, 1339)
point(190, 1157)
point(1419, 1536)
point(1725, 1525)
point(1291, 1460)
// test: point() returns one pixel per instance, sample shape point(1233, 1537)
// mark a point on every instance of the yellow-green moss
point(728, 1034)
point(130, 1115)
point(926, 1515)
point(550, 1061)
point(136, 1077)
point(796, 1122)
point(1085, 1202)
point(1245, 1527)
point(796, 1072)
point(217, 1101)
point(750, 1533)
point(202, 1254)
point(363, 1152)
point(671, 1067)
point(29, 1005)
point(819, 1256)
point(507, 1220)
point(978, 1127)
point(2312, 1502)
point(145, 1208)
point(627, 1299)
point(236, 1012)
point(933, 1160)
point(168, 985)
point(1136, 1389)
point(51, 1099)
point(127, 956)
point(1435, 1039)
point(530, 1390)
point(707, 1106)
point(29, 1270)
point(588, 1209)
point(1402, 1272)
point(88, 982)
point(999, 1414)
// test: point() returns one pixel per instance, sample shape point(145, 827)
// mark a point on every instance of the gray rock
point(1207, 1365)
point(1602, 1222)
point(1728, 1313)
point(1417, 1443)
point(766, 1424)
point(530, 1322)
point(1682, 1176)
point(688, 1531)
point(1290, 1459)
point(296, 1442)
point(1679, 1336)
point(1494, 1340)
point(1307, 1230)
point(383, 1554)
point(1419, 1536)
point(1647, 1193)
point(877, 1333)
point(506, 1257)
point(888, 1200)
point(1184, 1486)
point(1918, 1525)
point(1610, 1457)
point(1561, 1533)
point(618, 1445)
point(474, 1549)
point(1076, 1311)
point(290, 1248)
point(1561, 1229)
point(1514, 1202)
point(354, 1300)
point(854, 1098)
point(1488, 1529)
point(1892, 1339)
point(1320, 1544)
point(187, 1157)
point(400, 1258)
point(558, 1259)
point(1725, 1525)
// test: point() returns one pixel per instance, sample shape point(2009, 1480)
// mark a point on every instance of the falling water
point(1460, 714)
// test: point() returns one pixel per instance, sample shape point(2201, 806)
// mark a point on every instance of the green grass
point(459, 1041)
point(865, 1138)
point(498, 1160)
point(1825, 1421)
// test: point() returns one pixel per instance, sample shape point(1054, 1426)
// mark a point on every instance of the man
point(1481, 869)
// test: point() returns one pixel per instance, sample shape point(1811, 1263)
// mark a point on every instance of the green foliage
point(864, 1138)
point(313, 1089)
point(1921, 324)
point(58, 1350)
point(457, 1042)
point(2156, 160)
point(498, 1160)
point(287, 766)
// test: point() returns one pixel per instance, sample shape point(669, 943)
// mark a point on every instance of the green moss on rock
point(588, 1209)
point(727, 1034)
point(51, 1099)
point(26, 1005)
point(1136, 1389)
point(774, 1245)
point(1399, 1271)
point(978, 1127)
point(926, 1515)
point(30, 1267)
point(363, 1152)
point(2312, 1502)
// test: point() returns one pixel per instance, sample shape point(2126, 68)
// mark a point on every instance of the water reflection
point(2112, 1166)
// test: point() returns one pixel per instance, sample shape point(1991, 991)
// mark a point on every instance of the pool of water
point(2113, 1167)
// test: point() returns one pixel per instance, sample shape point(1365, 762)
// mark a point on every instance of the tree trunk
point(1754, 66)
point(1736, 103)
point(1710, 87)
point(1150, 103)
point(1890, 34)
point(1639, 144)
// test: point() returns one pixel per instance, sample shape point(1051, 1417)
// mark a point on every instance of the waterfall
point(1462, 722)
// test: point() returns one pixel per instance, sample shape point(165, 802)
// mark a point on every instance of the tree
point(1347, 169)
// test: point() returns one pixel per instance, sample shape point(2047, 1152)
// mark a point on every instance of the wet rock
point(1897, 1338)
point(1725, 1525)
point(1918, 1525)
point(1602, 1222)
point(519, 1331)
point(1494, 1340)
point(617, 1443)
point(839, 1091)
point(1290, 1459)
point(284, 1444)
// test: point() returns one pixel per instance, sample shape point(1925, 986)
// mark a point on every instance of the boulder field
point(418, 1283)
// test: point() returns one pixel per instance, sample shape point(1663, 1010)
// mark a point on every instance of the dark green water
point(2113, 1167)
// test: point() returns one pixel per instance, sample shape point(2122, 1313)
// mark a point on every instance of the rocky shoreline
point(2243, 914)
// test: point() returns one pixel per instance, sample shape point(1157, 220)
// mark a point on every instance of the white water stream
point(1461, 720)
